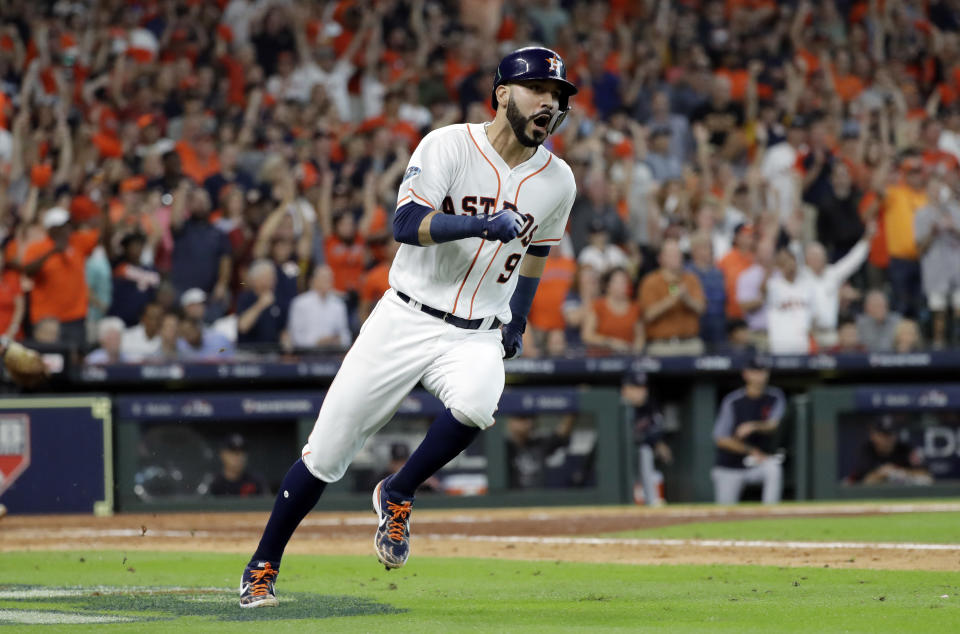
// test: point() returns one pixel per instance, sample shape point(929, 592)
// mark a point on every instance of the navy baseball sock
point(299, 492)
point(444, 441)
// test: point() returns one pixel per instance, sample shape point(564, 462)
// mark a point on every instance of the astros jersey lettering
point(455, 170)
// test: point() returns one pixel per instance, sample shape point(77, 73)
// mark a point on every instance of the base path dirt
point(548, 534)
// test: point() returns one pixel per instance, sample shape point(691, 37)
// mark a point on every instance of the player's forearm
point(734, 445)
point(421, 226)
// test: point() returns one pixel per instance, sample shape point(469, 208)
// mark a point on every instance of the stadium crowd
point(186, 179)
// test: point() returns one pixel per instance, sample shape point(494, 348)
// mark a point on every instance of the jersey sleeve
point(431, 170)
point(551, 231)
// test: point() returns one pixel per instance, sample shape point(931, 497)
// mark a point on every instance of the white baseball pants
point(728, 483)
point(398, 347)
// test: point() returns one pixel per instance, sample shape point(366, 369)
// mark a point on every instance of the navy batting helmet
point(534, 62)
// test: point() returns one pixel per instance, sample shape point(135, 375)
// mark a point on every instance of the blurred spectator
point(848, 338)
point(579, 301)
point(527, 453)
point(713, 320)
point(789, 306)
point(599, 253)
point(721, 118)
point(260, 317)
point(556, 343)
point(56, 265)
point(671, 301)
point(877, 326)
point(399, 453)
point(661, 118)
point(194, 304)
point(279, 241)
point(906, 337)
point(46, 331)
point(134, 284)
point(828, 282)
point(752, 287)
point(109, 335)
point(734, 263)
point(376, 282)
point(779, 168)
point(143, 340)
point(613, 322)
point(592, 212)
point(344, 242)
point(547, 310)
point(169, 338)
point(901, 203)
point(12, 304)
point(99, 283)
point(234, 478)
point(743, 433)
point(647, 430)
point(886, 459)
point(201, 252)
point(318, 317)
point(664, 165)
point(937, 227)
point(839, 225)
point(739, 338)
point(199, 343)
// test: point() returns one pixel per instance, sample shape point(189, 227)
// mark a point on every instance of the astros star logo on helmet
point(555, 64)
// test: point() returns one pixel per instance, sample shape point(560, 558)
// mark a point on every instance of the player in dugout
point(743, 433)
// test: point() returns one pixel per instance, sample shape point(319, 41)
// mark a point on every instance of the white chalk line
point(33, 617)
point(714, 543)
point(559, 541)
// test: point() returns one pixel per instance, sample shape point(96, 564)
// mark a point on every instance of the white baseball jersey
point(456, 170)
point(790, 308)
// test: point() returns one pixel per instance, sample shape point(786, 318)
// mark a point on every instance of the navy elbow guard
point(406, 223)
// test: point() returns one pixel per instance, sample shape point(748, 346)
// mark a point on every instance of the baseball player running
point(477, 211)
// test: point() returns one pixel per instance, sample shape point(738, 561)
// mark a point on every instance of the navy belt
point(453, 320)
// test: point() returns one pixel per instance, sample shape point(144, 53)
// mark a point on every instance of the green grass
point(905, 527)
point(455, 595)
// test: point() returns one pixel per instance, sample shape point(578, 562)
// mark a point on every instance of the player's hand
point(505, 225)
point(512, 342)
point(744, 429)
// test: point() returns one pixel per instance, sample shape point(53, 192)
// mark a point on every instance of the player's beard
point(519, 124)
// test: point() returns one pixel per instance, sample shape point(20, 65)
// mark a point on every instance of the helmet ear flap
point(557, 119)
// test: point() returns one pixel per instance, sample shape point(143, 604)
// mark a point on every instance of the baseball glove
point(24, 365)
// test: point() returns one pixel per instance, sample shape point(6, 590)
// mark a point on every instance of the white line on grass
point(717, 543)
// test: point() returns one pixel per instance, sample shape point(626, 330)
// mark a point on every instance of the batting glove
point(512, 341)
point(505, 225)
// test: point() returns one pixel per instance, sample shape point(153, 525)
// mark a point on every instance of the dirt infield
point(538, 534)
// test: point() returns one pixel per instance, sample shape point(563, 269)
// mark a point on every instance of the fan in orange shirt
point(376, 282)
point(735, 262)
point(546, 313)
point(56, 264)
point(613, 324)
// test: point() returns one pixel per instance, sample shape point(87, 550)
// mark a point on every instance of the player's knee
point(322, 465)
point(472, 416)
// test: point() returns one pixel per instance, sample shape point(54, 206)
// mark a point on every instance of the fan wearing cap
point(743, 434)
point(56, 265)
point(647, 425)
point(886, 458)
point(234, 478)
